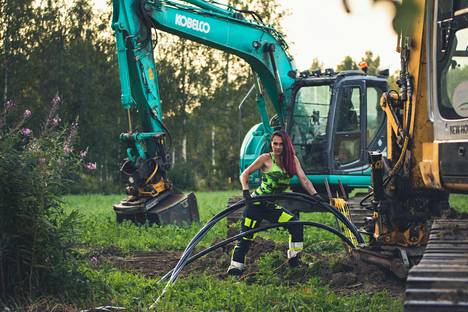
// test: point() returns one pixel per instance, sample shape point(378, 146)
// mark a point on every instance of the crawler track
point(440, 281)
point(358, 213)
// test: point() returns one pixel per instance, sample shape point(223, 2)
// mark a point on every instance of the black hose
point(307, 199)
point(202, 233)
point(260, 229)
point(295, 196)
point(216, 218)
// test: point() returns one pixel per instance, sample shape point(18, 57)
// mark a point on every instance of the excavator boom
point(222, 28)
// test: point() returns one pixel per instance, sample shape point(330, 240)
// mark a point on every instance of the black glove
point(319, 198)
point(247, 197)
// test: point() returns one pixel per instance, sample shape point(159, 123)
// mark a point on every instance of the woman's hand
point(247, 198)
point(319, 198)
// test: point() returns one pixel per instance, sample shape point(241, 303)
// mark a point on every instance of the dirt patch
point(349, 276)
point(342, 273)
point(43, 305)
point(158, 263)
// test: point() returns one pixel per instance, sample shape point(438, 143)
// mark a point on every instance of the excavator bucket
point(170, 207)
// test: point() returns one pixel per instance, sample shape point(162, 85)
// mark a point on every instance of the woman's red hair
point(287, 157)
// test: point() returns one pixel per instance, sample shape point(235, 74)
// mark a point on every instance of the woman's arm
point(257, 164)
point(306, 184)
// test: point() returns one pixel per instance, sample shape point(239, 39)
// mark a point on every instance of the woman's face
point(277, 145)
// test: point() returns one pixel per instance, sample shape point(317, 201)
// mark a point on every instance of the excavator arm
point(223, 28)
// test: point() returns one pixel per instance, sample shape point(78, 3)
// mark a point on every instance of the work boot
point(235, 269)
point(295, 248)
point(294, 262)
point(234, 272)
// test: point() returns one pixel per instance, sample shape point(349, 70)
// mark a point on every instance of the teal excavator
point(333, 118)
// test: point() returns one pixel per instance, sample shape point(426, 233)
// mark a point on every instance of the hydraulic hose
point(261, 229)
point(261, 198)
point(294, 196)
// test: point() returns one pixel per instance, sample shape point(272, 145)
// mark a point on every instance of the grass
point(459, 202)
point(205, 293)
point(110, 286)
point(99, 229)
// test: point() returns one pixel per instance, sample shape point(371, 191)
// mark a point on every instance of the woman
point(277, 168)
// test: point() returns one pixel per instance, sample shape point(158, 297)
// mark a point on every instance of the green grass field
point(99, 232)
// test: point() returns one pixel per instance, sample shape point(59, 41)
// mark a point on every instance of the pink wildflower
point(91, 166)
point(41, 161)
point(27, 114)
point(9, 104)
point(26, 132)
point(94, 261)
point(83, 153)
point(73, 130)
point(56, 101)
point(55, 121)
point(67, 149)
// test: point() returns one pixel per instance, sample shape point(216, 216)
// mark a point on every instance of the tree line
point(66, 50)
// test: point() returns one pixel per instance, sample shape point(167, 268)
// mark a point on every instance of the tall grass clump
point(36, 235)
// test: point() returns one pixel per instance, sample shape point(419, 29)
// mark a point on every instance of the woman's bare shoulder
point(264, 159)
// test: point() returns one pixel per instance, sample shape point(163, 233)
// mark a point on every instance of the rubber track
point(439, 282)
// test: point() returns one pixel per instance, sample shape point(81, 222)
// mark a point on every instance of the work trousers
point(253, 215)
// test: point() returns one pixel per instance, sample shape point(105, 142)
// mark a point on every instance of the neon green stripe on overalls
point(274, 181)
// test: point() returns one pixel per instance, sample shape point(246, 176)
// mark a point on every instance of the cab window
point(309, 125)
point(348, 134)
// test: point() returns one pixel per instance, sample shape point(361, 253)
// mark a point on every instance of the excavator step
point(440, 280)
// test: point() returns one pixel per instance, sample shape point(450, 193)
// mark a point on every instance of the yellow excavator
point(414, 232)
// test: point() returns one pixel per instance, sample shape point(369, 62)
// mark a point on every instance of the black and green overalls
point(274, 181)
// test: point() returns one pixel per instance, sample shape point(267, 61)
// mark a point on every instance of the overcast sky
point(322, 29)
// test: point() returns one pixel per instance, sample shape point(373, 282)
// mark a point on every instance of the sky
point(322, 29)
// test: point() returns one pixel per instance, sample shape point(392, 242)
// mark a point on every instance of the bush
point(36, 235)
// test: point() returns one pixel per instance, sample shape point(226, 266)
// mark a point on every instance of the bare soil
point(342, 274)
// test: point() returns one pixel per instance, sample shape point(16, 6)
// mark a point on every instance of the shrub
point(36, 235)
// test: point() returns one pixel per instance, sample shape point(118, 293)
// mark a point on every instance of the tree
point(316, 65)
point(373, 63)
point(347, 64)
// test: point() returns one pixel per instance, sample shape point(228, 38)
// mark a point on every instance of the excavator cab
point(449, 81)
point(335, 119)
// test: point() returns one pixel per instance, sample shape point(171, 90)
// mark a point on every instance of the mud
point(341, 273)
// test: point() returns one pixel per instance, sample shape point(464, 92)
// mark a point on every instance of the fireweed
point(36, 235)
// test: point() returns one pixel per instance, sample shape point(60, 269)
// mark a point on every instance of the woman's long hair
point(287, 157)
